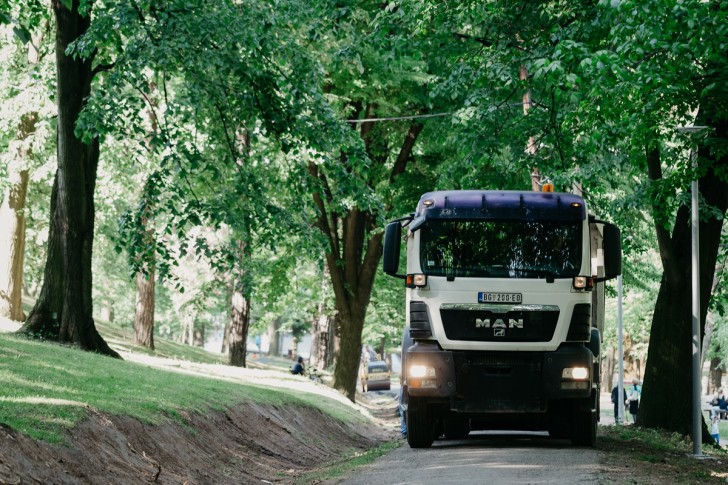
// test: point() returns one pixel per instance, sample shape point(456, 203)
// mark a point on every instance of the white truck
point(505, 305)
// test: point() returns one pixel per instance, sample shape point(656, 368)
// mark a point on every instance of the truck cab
point(504, 301)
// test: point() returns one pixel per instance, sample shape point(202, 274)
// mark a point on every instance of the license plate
point(378, 377)
point(494, 297)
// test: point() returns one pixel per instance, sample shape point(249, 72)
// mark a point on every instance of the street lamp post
point(697, 406)
point(695, 220)
point(620, 355)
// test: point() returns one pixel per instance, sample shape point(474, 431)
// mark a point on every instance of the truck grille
point(491, 323)
point(499, 382)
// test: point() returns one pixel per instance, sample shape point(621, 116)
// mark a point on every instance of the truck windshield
point(501, 248)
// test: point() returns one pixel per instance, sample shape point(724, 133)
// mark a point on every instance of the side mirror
point(612, 251)
point(392, 244)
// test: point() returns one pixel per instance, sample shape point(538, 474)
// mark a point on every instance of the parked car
point(377, 376)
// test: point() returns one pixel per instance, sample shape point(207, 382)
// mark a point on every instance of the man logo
point(499, 332)
point(499, 323)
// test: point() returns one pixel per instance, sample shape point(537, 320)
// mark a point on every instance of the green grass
point(46, 388)
point(346, 464)
point(664, 457)
point(120, 337)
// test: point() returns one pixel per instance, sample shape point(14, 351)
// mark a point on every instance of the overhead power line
point(399, 118)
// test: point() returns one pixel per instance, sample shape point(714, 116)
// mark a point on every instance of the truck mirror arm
point(398, 276)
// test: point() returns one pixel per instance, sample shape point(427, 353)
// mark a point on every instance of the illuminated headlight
point(421, 376)
point(421, 371)
point(575, 373)
point(583, 283)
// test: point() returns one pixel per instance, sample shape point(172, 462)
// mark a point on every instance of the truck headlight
point(575, 378)
point(575, 373)
point(420, 371)
point(421, 376)
point(585, 283)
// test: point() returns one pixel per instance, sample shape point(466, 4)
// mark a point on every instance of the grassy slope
point(45, 388)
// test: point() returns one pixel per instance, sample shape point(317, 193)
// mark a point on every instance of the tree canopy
point(245, 151)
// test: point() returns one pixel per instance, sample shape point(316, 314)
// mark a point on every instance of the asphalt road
point(485, 457)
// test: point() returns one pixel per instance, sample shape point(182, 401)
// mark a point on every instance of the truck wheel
point(584, 431)
point(420, 428)
point(456, 428)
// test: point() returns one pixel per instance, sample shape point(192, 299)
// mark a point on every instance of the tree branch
point(405, 152)
point(654, 171)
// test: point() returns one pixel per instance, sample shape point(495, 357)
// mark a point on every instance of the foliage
point(246, 95)
point(29, 88)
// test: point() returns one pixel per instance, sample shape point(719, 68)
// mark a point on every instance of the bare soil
point(254, 443)
point(246, 444)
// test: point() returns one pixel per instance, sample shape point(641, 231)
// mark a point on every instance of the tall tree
point(671, 336)
point(64, 309)
point(12, 219)
point(355, 248)
point(658, 78)
point(374, 70)
point(610, 82)
point(25, 111)
point(145, 277)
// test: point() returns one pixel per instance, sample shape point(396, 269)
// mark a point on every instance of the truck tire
point(420, 426)
point(584, 430)
point(456, 428)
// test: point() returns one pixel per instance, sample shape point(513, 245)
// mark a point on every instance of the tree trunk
point(352, 282)
point(199, 333)
point(145, 281)
point(107, 312)
point(274, 347)
point(12, 222)
point(144, 314)
point(190, 338)
point(64, 310)
point(715, 376)
point(669, 359)
point(322, 343)
point(355, 248)
point(239, 321)
point(225, 337)
point(608, 370)
point(12, 218)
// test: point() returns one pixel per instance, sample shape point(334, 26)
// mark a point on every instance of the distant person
point(406, 343)
point(635, 391)
point(719, 405)
point(298, 368)
point(615, 401)
point(368, 354)
point(715, 429)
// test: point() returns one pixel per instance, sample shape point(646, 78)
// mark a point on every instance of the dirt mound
point(250, 443)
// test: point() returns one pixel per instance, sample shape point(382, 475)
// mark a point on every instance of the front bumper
point(486, 382)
